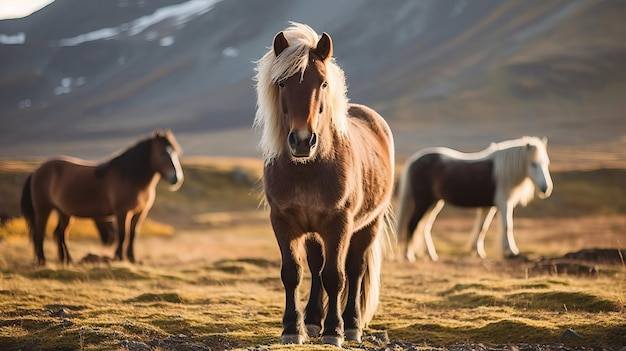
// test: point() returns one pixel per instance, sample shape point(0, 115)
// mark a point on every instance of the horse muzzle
point(544, 191)
point(175, 180)
point(302, 144)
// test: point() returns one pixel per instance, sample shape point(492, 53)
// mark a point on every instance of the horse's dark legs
point(291, 275)
point(421, 207)
point(314, 311)
point(356, 264)
point(135, 225)
point(39, 232)
point(60, 234)
point(294, 331)
point(335, 246)
point(122, 227)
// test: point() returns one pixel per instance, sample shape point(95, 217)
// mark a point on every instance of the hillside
point(85, 77)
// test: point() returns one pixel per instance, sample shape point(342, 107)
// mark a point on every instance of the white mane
point(293, 60)
point(510, 160)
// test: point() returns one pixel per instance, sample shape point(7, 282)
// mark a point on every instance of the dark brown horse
point(495, 179)
point(122, 188)
point(328, 177)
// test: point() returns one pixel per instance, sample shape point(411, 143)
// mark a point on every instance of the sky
point(20, 8)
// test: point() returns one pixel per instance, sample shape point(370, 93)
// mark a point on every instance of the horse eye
point(324, 85)
point(281, 84)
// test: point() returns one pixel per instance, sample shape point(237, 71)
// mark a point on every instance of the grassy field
point(209, 276)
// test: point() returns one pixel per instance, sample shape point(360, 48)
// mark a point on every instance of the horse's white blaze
point(178, 169)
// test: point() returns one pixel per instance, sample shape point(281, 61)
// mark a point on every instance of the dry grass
point(215, 284)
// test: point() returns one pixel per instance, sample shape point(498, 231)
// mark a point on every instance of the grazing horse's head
point(537, 162)
point(301, 92)
point(164, 158)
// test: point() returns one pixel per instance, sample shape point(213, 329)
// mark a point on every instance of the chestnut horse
point(328, 177)
point(123, 187)
point(495, 179)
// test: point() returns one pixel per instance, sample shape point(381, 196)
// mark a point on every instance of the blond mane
point(510, 161)
point(293, 60)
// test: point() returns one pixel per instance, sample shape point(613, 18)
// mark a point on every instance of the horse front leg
point(294, 331)
point(336, 240)
point(509, 248)
point(356, 265)
point(123, 225)
point(60, 234)
point(314, 311)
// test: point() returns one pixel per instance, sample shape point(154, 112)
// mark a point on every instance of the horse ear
point(324, 47)
point(544, 140)
point(280, 43)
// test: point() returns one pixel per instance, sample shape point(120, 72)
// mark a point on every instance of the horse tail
point(370, 286)
point(26, 205)
point(106, 229)
point(405, 203)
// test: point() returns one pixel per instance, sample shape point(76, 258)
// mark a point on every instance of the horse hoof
point(313, 330)
point(332, 340)
point(511, 254)
point(292, 339)
point(353, 335)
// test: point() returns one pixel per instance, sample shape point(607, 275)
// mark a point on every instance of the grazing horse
point(123, 188)
point(328, 178)
point(495, 179)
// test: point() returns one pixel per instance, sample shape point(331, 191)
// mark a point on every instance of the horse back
point(466, 183)
point(70, 186)
point(374, 122)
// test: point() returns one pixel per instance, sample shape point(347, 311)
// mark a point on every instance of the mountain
point(86, 77)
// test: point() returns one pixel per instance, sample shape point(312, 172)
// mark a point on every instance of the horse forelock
point(169, 140)
point(271, 69)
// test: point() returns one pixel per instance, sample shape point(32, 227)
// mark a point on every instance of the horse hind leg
point(60, 234)
point(39, 232)
point(415, 226)
point(428, 226)
point(123, 227)
point(314, 311)
point(360, 291)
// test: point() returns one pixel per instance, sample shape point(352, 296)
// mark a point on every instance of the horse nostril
point(293, 139)
point(313, 140)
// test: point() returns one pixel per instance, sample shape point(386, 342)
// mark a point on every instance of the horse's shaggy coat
point(328, 177)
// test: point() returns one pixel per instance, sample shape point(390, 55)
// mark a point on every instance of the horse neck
point(510, 171)
point(134, 164)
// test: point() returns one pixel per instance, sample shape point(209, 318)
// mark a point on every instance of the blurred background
point(87, 77)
